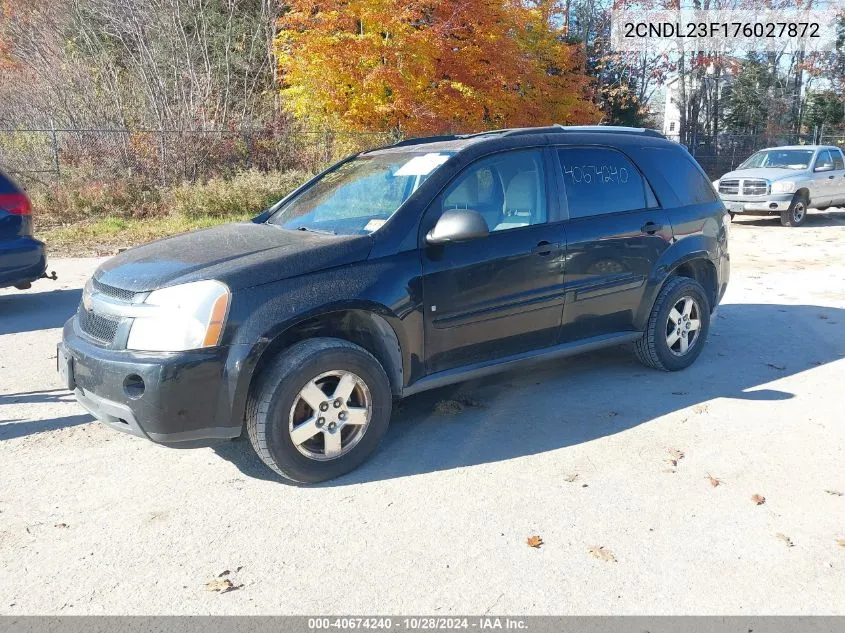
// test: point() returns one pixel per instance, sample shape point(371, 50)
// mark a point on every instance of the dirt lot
point(614, 466)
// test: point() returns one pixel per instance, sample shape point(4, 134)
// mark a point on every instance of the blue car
point(23, 259)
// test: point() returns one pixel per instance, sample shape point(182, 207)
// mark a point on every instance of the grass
point(84, 216)
point(107, 235)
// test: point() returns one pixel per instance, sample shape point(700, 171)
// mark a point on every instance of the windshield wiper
point(310, 230)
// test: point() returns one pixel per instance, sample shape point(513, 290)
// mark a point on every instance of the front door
point(502, 294)
point(823, 181)
point(615, 235)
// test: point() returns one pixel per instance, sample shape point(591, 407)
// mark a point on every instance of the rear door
point(502, 294)
point(616, 233)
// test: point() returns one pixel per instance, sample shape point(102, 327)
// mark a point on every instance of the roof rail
point(614, 129)
point(519, 131)
point(426, 139)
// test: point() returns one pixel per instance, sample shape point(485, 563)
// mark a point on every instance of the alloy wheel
point(330, 415)
point(683, 326)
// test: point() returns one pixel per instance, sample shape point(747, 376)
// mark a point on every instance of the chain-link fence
point(168, 157)
point(719, 155)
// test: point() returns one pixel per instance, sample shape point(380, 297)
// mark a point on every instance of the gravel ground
point(579, 453)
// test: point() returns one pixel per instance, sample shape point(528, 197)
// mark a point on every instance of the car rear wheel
point(319, 410)
point(677, 326)
point(796, 214)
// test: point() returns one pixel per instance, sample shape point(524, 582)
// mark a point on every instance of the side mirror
point(458, 225)
point(825, 167)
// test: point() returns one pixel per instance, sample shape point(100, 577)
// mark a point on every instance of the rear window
point(683, 175)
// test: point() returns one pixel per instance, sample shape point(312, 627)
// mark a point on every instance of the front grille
point(755, 187)
point(112, 291)
point(730, 187)
point(97, 326)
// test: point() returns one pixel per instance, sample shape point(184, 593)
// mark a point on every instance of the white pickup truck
point(786, 181)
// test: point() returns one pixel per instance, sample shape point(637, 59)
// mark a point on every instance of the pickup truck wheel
point(796, 214)
point(319, 410)
point(677, 326)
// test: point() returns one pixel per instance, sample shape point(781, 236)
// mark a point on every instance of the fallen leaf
point(785, 539)
point(534, 541)
point(758, 499)
point(612, 414)
point(835, 493)
point(571, 478)
point(447, 407)
point(778, 367)
point(823, 316)
point(61, 525)
point(714, 481)
point(702, 408)
point(602, 553)
point(674, 452)
point(680, 393)
point(469, 402)
point(672, 462)
point(221, 584)
point(841, 542)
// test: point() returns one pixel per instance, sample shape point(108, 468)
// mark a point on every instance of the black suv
point(397, 270)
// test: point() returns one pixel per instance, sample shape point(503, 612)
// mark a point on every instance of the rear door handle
point(545, 248)
point(831, 177)
point(651, 228)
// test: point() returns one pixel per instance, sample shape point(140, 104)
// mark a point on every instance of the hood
point(769, 173)
point(240, 255)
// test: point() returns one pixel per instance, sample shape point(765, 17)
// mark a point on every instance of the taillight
point(15, 203)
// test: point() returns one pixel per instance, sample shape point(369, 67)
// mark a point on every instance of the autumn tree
point(428, 66)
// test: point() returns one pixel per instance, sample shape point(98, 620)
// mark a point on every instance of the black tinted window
point(838, 163)
point(600, 180)
point(680, 172)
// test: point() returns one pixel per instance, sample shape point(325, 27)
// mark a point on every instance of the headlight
point(784, 186)
point(179, 318)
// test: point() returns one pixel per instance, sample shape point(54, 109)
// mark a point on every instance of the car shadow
point(33, 311)
point(814, 219)
point(37, 397)
point(562, 403)
point(11, 429)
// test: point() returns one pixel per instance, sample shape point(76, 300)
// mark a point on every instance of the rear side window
point(681, 173)
point(838, 163)
point(600, 180)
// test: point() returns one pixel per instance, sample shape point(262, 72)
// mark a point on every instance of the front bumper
point(186, 396)
point(772, 203)
point(22, 260)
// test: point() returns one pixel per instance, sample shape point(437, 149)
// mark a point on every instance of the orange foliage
point(430, 66)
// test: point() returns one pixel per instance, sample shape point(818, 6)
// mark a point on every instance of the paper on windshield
point(422, 165)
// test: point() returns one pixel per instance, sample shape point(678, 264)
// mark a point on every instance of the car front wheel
point(319, 410)
point(677, 326)
point(796, 214)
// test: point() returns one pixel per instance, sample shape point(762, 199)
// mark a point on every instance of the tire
point(277, 407)
point(653, 349)
point(796, 214)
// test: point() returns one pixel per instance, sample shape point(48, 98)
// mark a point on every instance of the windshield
point(785, 158)
point(359, 196)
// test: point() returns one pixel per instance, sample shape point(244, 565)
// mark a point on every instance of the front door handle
point(545, 248)
point(651, 228)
